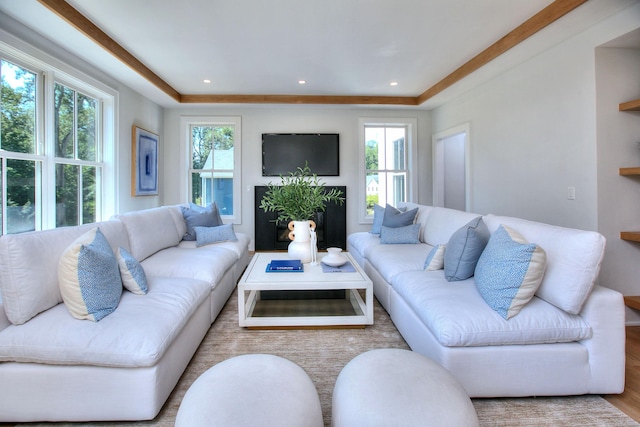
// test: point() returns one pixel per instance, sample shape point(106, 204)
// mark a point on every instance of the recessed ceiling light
point(207, 81)
point(394, 83)
point(301, 82)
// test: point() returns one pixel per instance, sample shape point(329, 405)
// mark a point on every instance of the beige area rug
point(323, 353)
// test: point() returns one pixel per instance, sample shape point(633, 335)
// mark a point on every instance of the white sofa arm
point(604, 311)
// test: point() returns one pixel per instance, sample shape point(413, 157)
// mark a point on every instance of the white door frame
point(438, 162)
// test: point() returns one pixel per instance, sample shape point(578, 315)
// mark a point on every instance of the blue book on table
point(285, 265)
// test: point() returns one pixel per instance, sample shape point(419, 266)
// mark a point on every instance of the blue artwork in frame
point(144, 163)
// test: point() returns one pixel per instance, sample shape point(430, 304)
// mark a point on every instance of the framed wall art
point(144, 162)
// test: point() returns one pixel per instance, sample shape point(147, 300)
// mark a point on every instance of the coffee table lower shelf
point(308, 300)
point(319, 313)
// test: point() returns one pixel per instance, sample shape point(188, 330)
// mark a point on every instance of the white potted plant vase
point(300, 236)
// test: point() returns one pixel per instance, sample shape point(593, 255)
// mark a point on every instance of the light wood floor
point(629, 401)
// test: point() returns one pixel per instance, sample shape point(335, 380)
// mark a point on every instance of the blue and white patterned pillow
point(400, 235)
point(464, 249)
point(435, 258)
point(89, 277)
point(509, 271)
point(209, 235)
point(132, 273)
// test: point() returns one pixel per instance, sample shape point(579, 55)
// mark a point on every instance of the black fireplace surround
point(331, 225)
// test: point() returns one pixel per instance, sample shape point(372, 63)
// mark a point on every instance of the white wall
point(535, 131)
point(139, 111)
point(618, 80)
point(264, 119)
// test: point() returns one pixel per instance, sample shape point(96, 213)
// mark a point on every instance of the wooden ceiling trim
point(300, 99)
point(537, 22)
point(540, 20)
point(88, 28)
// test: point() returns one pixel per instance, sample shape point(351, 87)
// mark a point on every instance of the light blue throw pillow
point(209, 235)
point(198, 216)
point(509, 271)
point(464, 249)
point(398, 217)
point(132, 273)
point(89, 277)
point(400, 235)
point(378, 216)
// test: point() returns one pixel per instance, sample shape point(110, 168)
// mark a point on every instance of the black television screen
point(283, 153)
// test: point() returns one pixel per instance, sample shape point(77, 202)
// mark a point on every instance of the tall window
point(387, 148)
point(21, 165)
point(77, 168)
point(214, 163)
point(50, 175)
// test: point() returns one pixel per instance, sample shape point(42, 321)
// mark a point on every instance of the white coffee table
point(312, 298)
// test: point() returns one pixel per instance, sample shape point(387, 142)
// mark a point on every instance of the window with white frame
point(386, 155)
point(214, 162)
point(51, 147)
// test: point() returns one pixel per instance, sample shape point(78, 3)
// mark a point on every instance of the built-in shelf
point(630, 171)
point(630, 106)
point(632, 301)
point(632, 236)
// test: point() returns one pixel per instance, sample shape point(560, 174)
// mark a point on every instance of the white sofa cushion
point(30, 285)
point(89, 277)
point(362, 242)
point(207, 263)
point(137, 334)
point(390, 260)
point(574, 258)
point(443, 222)
point(421, 216)
point(457, 316)
point(151, 230)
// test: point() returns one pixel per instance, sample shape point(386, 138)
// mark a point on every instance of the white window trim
point(412, 135)
point(55, 70)
point(185, 158)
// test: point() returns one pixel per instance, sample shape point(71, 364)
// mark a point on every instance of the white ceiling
point(340, 47)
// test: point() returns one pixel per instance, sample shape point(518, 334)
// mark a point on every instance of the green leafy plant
point(299, 196)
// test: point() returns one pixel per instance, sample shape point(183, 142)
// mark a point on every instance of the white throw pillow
point(132, 273)
point(89, 277)
point(435, 259)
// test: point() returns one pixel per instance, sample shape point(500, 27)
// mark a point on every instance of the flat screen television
point(283, 153)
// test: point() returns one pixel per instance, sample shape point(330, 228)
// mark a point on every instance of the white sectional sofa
point(55, 367)
point(569, 339)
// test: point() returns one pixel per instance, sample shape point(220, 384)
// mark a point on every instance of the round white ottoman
point(394, 387)
point(251, 390)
